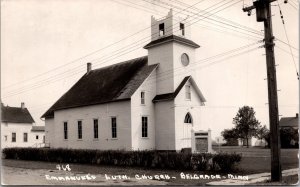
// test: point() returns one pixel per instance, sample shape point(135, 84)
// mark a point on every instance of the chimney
point(22, 105)
point(89, 67)
point(296, 115)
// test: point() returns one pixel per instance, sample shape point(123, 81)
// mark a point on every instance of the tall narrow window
point(65, 130)
point(181, 27)
point(96, 128)
point(79, 129)
point(114, 127)
point(188, 118)
point(25, 137)
point(142, 98)
point(13, 137)
point(144, 126)
point(161, 29)
point(37, 137)
point(188, 92)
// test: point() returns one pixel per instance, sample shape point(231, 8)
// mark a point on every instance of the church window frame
point(188, 118)
point(114, 134)
point(65, 130)
point(79, 129)
point(182, 29)
point(161, 29)
point(143, 94)
point(188, 92)
point(144, 126)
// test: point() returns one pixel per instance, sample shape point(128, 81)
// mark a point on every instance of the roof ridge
point(103, 85)
point(120, 63)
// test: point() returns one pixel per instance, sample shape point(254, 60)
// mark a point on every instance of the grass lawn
point(258, 160)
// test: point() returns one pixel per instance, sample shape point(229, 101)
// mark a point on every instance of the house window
point(114, 127)
point(188, 92)
point(5, 137)
point(181, 26)
point(142, 98)
point(79, 129)
point(37, 137)
point(13, 137)
point(144, 126)
point(96, 128)
point(188, 118)
point(65, 130)
point(25, 137)
point(161, 29)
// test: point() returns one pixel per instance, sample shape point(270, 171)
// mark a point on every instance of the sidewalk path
point(260, 177)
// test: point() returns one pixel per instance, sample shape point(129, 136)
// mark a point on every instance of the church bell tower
point(172, 48)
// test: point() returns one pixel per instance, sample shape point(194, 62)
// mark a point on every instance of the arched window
point(188, 118)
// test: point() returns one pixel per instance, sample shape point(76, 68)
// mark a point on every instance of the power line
point(118, 53)
point(222, 18)
point(198, 66)
point(287, 38)
point(285, 51)
point(203, 61)
point(35, 86)
point(286, 44)
point(81, 58)
point(162, 74)
point(222, 22)
point(214, 24)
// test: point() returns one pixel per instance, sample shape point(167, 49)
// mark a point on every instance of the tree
point(246, 125)
point(263, 133)
point(287, 135)
point(230, 136)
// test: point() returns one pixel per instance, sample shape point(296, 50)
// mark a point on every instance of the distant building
point(18, 129)
point(289, 131)
point(289, 122)
point(151, 102)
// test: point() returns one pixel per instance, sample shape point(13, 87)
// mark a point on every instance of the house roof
point(289, 122)
point(15, 115)
point(38, 128)
point(108, 84)
point(170, 39)
point(171, 96)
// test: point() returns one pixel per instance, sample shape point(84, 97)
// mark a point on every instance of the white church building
point(151, 102)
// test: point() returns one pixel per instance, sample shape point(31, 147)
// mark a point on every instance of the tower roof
point(172, 38)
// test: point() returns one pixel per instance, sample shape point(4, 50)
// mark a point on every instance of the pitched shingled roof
point(171, 96)
point(170, 39)
point(15, 115)
point(289, 122)
point(108, 84)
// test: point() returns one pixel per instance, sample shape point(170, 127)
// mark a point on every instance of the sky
point(45, 46)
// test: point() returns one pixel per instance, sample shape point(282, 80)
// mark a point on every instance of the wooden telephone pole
point(263, 14)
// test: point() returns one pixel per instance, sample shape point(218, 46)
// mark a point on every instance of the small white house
point(151, 102)
point(18, 129)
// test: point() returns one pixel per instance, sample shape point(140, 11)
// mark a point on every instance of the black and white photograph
point(150, 92)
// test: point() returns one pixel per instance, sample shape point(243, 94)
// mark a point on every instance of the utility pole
point(263, 14)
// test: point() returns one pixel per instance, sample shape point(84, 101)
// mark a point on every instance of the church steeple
point(171, 48)
point(169, 25)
